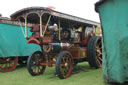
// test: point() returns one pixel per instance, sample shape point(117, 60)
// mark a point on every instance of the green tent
point(114, 20)
point(13, 42)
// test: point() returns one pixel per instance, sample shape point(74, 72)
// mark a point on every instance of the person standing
point(0, 15)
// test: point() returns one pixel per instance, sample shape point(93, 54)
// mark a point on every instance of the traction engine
point(65, 40)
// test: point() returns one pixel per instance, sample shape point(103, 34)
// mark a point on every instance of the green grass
point(82, 75)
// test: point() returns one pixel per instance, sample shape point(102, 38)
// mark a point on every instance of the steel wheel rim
point(36, 68)
point(99, 53)
point(8, 64)
point(66, 65)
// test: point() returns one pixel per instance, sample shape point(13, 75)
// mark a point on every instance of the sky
point(79, 8)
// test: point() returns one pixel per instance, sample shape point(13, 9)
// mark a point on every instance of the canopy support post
point(59, 30)
point(41, 27)
point(26, 30)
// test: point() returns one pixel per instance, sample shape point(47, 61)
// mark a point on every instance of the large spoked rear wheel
point(64, 64)
point(94, 52)
point(33, 63)
point(8, 64)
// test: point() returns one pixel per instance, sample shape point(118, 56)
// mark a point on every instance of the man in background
point(0, 15)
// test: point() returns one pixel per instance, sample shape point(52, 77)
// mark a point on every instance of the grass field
point(82, 75)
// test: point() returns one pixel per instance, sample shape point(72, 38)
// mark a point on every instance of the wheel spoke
point(99, 63)
point(100, 58)
point(62, 70)
point(38, 69)
point(2, 65)
point(6, 66)
point(10, 64)
point(35, 69)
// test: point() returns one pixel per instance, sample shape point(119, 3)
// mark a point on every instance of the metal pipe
point(59, 30)
point(26, 30)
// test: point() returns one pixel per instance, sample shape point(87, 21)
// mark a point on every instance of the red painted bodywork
point(33, 40)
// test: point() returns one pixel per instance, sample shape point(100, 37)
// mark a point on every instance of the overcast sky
point(80, 8)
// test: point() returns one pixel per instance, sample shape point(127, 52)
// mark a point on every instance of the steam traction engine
point(65, 40)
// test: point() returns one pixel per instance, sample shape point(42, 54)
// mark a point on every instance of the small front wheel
point(33, 64)
point(64, 64)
